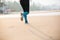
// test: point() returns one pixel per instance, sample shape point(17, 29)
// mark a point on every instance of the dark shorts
point(25, 5)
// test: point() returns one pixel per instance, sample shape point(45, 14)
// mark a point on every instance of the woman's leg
point(25, 16)
point(25, 6)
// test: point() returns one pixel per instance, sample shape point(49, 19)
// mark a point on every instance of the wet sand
point(39, 28)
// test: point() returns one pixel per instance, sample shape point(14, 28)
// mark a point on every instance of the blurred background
point(35, 5)
point(44, 21)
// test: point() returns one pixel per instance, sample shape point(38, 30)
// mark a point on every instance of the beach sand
point(39, 28)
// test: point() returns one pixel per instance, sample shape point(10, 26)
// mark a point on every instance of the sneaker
point(26, 22)
point(21, 17)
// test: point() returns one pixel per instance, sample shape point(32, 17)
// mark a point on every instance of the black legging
point(25, 5)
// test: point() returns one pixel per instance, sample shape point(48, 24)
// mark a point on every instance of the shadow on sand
point(46, 35)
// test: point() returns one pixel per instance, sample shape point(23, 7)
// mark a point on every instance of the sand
point(39, 28)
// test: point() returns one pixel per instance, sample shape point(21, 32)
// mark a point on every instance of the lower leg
point(25, 16)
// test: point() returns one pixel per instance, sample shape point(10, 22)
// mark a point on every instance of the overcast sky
point(43, 2)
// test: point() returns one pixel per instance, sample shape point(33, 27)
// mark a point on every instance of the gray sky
point(43, 2)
